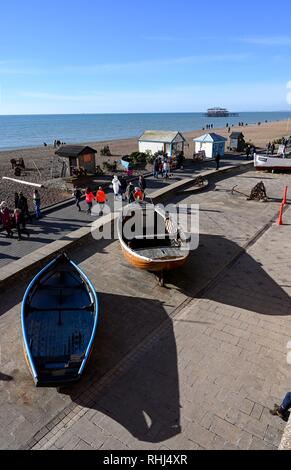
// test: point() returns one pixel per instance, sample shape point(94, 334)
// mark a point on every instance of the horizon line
point(139, 113)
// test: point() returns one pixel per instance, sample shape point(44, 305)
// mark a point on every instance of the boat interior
point(59, 316)
point(151, 235)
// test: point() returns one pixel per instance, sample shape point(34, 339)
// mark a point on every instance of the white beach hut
point(212, 144)
point(169, 142)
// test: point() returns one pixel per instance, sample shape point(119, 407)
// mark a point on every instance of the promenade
point(195, 365)
point(64, 220)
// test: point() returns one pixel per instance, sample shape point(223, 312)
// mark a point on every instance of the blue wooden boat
point(59, 323)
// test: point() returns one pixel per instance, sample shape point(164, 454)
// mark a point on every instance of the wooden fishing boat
point(273, 162)
point(158, 245)
point(59, 323)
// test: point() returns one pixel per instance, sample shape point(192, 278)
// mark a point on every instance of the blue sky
point(103, 56)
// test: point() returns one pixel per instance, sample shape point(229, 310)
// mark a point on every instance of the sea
point(33, 131)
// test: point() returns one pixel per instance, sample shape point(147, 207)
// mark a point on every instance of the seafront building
point(211, 144)
point(169, 142)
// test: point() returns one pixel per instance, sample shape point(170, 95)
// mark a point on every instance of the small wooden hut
point(237, 141)
point(77, 157)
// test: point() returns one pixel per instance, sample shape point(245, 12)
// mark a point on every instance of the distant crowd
point(17, 218)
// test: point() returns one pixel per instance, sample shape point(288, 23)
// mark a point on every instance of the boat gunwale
point(23, 322)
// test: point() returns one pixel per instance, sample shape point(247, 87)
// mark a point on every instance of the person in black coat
point(77, 193)
point(22, 204)
point(123, 187)
point(16, 199)
point(217, 160)
point(142, 183)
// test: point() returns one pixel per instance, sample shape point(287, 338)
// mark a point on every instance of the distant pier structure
point(220, 112)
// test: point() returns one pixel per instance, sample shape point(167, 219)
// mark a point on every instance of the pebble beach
point(39, 160)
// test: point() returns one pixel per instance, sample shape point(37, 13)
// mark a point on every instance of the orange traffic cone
point(280, 220)
point(285, 196)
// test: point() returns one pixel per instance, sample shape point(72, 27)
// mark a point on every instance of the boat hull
point(154, 253)
point(267, 163)
point(153, 266)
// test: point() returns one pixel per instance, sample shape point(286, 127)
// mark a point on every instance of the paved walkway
point(65, 220)
point(178, 368)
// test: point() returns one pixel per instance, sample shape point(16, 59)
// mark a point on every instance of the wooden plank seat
point(89, 308)
point(59, 299)
point(62, 287)
point(160, 252)
point(151, 236)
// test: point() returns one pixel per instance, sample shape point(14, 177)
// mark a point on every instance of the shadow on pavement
point(5, 378)
point(145, 399)
point(246, 285)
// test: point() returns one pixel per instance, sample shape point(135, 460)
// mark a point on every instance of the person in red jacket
point(89, 200)
point(6, 219)
point(101, 199)
point(138, 195)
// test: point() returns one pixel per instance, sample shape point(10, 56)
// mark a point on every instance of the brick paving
point(178, 368)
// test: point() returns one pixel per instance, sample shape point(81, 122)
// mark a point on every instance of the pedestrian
point(6, 219)
point(16, 199)
point(130, 170)
point(22, 205)
point(283, 410)
point(138, 195)
point(89, 200)
point(217, 160)
point(37, 204)
point(123, 187)
point(130, 193)
point(142, 183)
point(273, 148)
point(248, 151)
point(116, 187)
point(166, 169)
point(161, 167)
point(18, 222)
point(156, 168)
point(101, 199)
point(77, 194)
point(180, 161)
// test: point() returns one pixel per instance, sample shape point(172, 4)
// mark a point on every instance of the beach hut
point(77, 157)
point(212, 144)
point(237, 141)
point(169, 142)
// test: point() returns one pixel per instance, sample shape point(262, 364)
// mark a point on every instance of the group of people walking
point(162, 167)
point(18, 217)
point(250, 151)
point(271, 148)
point(122, 190)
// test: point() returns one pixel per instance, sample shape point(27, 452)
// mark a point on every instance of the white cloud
point(9, 69)
point(166, 38)
point(268, 40)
